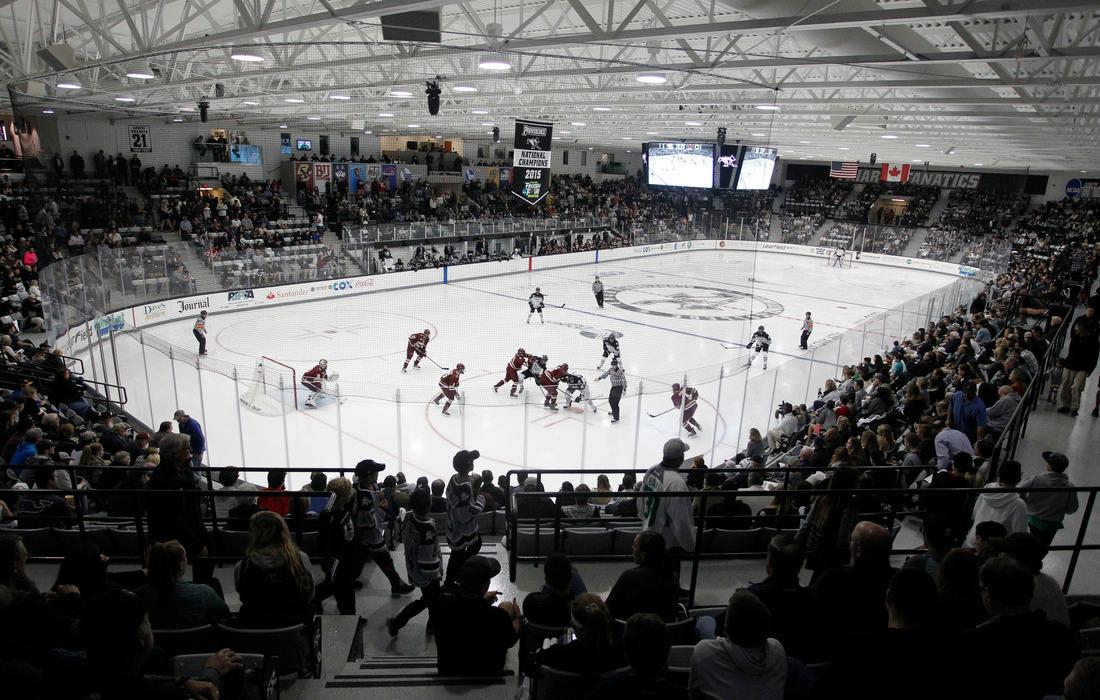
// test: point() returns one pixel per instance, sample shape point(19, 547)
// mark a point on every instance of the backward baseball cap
point(478, 571)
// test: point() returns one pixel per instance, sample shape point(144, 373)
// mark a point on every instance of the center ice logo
point(695, 302)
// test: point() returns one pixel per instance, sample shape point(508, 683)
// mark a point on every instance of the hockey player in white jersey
point(610, 348)
point(760, 340)
point(576, 389)
point(536, 302)
point(838, 256)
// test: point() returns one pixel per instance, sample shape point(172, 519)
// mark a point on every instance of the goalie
point(319, 382)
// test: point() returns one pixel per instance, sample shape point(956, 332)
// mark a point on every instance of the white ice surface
point(674, 313)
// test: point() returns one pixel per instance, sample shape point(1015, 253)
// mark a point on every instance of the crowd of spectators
point(920, 200)
point(811, 196)
point(800, 229)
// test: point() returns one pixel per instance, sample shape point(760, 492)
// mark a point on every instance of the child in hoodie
point(1007, 509)
point(1045, 510)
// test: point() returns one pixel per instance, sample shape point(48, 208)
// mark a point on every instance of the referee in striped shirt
point(618, 386)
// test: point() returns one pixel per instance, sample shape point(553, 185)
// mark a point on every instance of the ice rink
point(685, 313)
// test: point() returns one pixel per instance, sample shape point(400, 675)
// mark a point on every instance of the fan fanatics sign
point(531, 160)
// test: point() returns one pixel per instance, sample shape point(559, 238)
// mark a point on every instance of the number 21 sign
point(140, 140)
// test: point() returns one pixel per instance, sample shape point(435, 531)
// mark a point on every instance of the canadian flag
point(892, 172)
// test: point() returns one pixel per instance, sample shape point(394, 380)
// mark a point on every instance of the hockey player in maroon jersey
point(418, 343)
point(691, 404)
point(314, 381)
point(448, 387)
point(511, 372)
point(548, 380)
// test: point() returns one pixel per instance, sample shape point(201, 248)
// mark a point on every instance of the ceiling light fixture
point(400, 93)
point(889, 136)
point(479, 111)
point(385, 115)
point(922, 145)
point(339, 97)
point(69, 85)
point(768, 108)
point(464, 88)
point(577, 124)
point(314, 119)
point(294, 100)
point(601, 109)
point(282, 126)
point(494, 61)
point(413, 126)
point(124, 99)
point(177, 119)
point(139, 71)
point(652, 78)
point(247, 57)
point(693, 123)
point(843, 148)
point(250, 103)
point(367, 131)
point(47, 111)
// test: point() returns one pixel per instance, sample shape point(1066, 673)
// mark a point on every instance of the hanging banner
point(389, 176)
point(531, 160)
point(322, 173)
point(140, 140)
point(340, 171)
point(505, 178)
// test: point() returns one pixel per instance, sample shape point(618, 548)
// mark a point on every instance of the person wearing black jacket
point(1084, 348)
point(336, 539)
point(178, 516)
point(68, 391)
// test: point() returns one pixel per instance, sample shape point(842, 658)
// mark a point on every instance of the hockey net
point(846, 260)
point(274, 388)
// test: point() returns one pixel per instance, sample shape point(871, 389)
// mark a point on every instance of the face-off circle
point(690, 301)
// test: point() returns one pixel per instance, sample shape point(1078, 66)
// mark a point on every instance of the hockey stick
point(436, 363)
point(654, 415)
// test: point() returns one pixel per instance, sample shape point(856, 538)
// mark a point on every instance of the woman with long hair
point(603, 488)
point(824, 537)
point(274, 579)
point(172, 602)
point(594, 649)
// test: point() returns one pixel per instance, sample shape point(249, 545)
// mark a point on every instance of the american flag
point(844, 169)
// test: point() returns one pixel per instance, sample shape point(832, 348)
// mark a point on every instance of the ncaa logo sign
point(1073, 187)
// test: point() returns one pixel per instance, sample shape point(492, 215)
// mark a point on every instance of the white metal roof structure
point(1005, 83)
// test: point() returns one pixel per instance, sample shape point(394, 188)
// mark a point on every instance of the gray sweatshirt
point(1052, 507)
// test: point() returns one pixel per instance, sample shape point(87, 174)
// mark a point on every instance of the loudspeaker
point(219, 90)
point(58, 56)
point(874, 157)
point(496, 134)
point(412, 26)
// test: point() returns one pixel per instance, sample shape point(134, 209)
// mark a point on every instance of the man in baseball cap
point(671, 517)
point(472, 635)
point(1047, 510)
point(464, 504)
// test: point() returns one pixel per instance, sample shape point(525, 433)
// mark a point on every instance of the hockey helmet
point(427, 331)
point(564, 367)
point(521, 351)
point(460, 368)
point(760, 328)
point(675, 387)
point(545, 358)
point(537, 289)
point(322, 363)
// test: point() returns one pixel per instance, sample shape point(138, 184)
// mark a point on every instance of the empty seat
point(39, 541)
point(191, 640)
point(588, 540)
point(289, 644)
point(720, 540)
point(232, 543)
point(624, 540)
point(526, 542)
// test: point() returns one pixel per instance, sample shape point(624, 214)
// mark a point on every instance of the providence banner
point(531, 160)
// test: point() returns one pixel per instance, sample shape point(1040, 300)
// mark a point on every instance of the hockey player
point(807, 329)
point(448, 387)
point(536, 302)
point(315, 379)
point(418, 343)
point(688, 396)
point(610, 348)
point(760, 340)
point(548, 380)
point(511, 372)
point(575, 384)
point(535, 367)
point(838, 256)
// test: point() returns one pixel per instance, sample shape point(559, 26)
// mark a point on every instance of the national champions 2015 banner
point(531, 160)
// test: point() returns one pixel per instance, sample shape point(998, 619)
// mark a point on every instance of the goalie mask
point(323, 364)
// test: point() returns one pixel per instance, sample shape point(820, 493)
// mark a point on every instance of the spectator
point(746, 662)
point(27, 448)
point(1083, 682)
point(274, 579)
point(119, 640)
point(984, 534)
point(595, 649)
point(439, 503)
point(824, 537)
point(1005, 508)
point(173, 603)
point(164, 429)
point(535, 506)
point(550, 605)
point(950, 442)
point(229, 479)
point(1080, 361)
point(38, 509)
point(1047, 597)
point(646, 645)
point(1046, 510)
point(649, 587)
point(177, 514)
point(68, 391)
point(581, 508)
point(951, 506)
point(958, 605)
point(191, 428)
point(473, 636)
point(938, 538)
point(968, 411)
point(850, 597)
point(85, 568)
point(1034, 653)
point(670, 517)
point(1002, 411)
point(370, 521)
point(880, 660)
point(340, 546)
point(423, 560)
point(276, 482)
point(464, 504)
